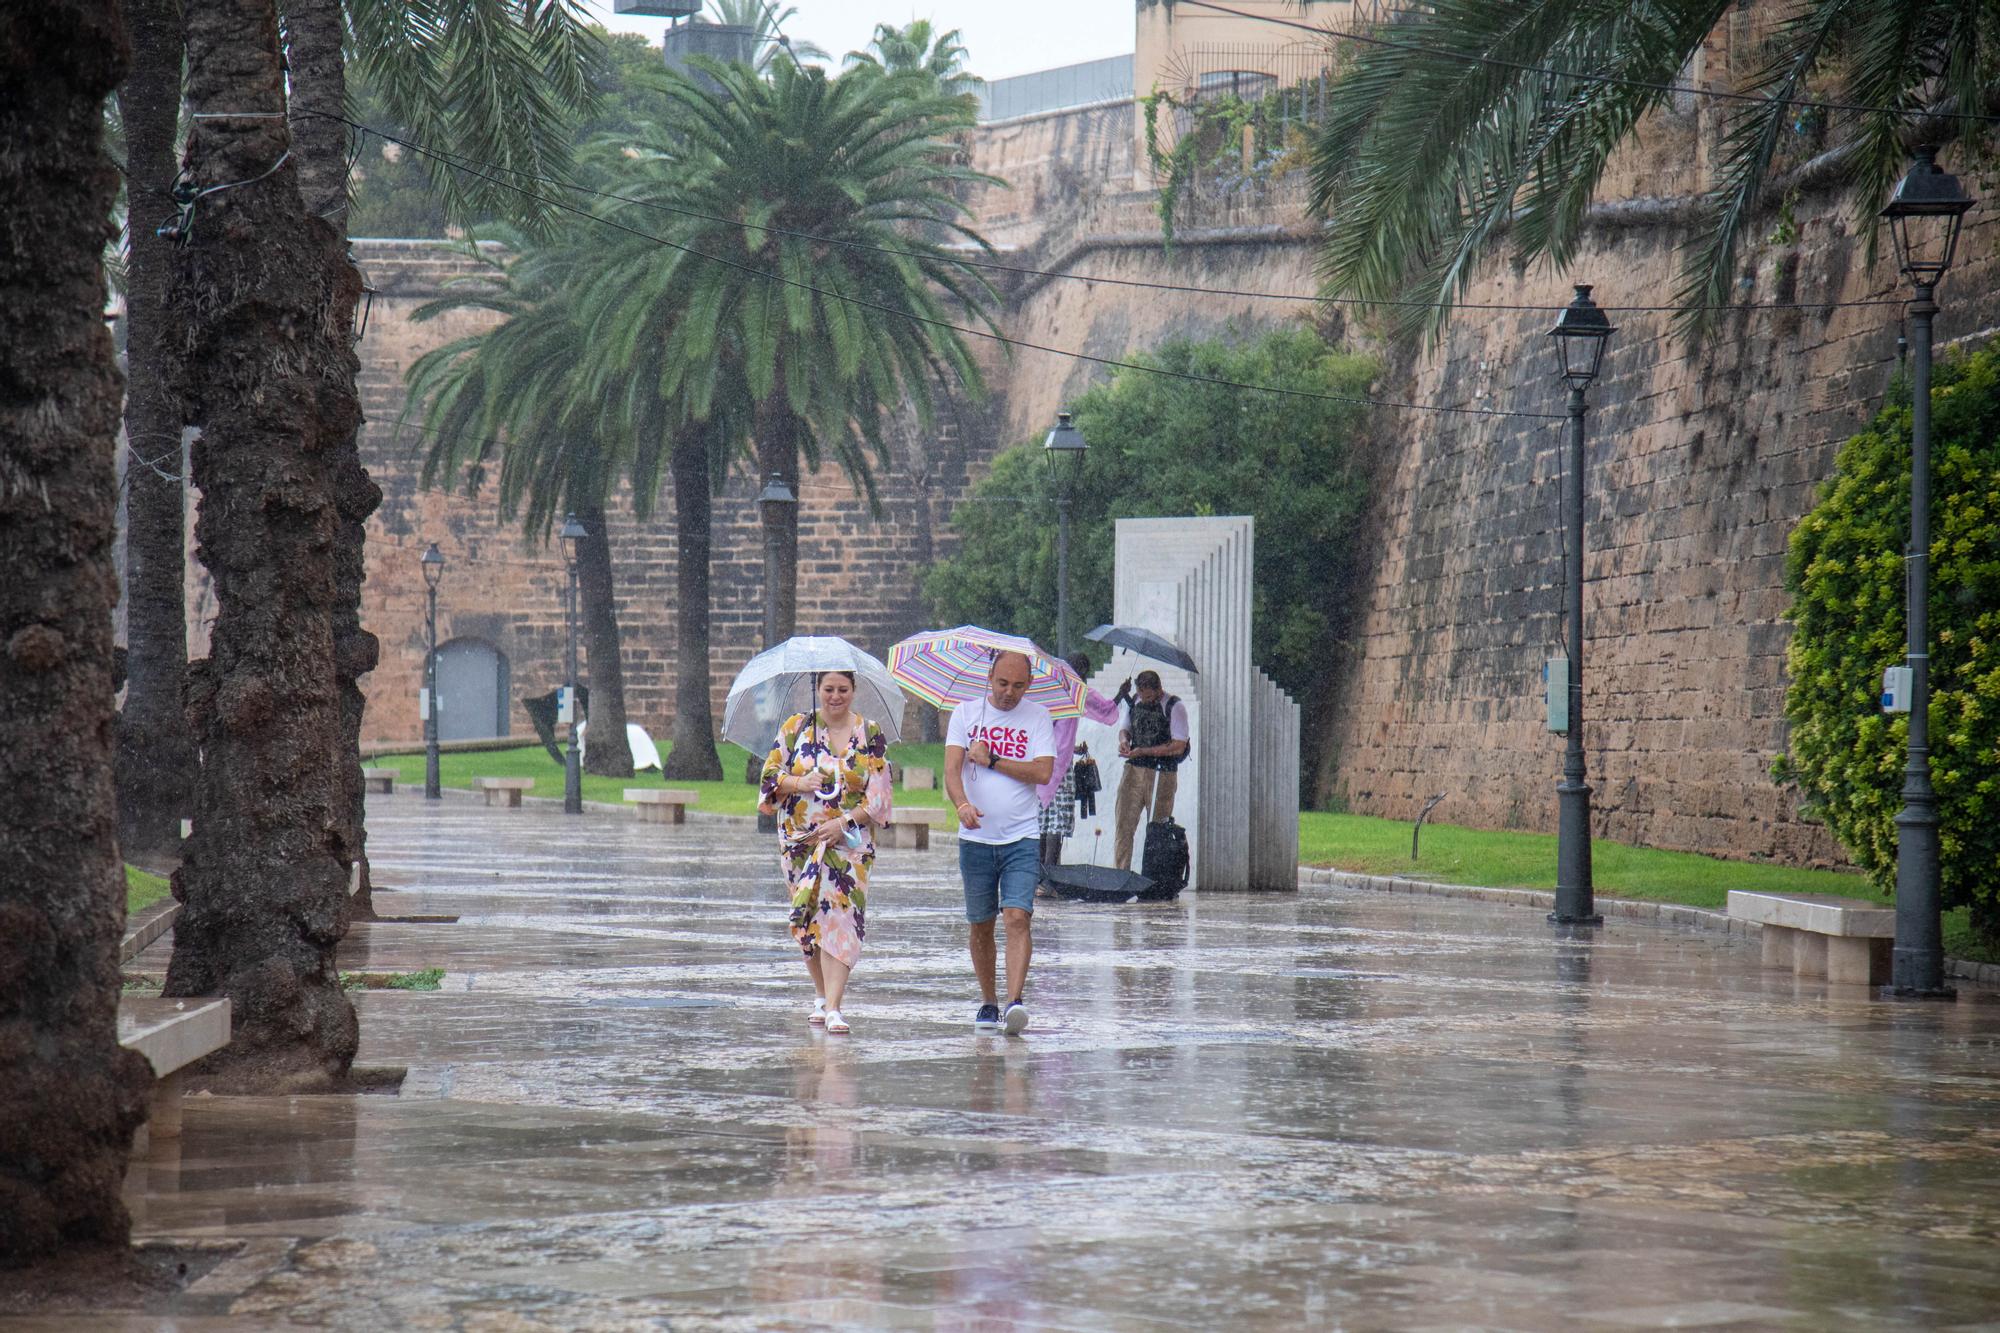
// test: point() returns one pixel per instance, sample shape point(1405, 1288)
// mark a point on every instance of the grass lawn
point(1508, 860)
point(731, 796)
point(142, 889)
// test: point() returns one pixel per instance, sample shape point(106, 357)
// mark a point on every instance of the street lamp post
point(432, 563)
point(773, 503)
point(1924, 217)
point(1580, 334)
point(1064, 449)
point(572, 535)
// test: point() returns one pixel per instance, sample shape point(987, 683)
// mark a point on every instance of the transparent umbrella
point(784, 680)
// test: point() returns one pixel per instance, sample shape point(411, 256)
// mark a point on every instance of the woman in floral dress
point(827, 781)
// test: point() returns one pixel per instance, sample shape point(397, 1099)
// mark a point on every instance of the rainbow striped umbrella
point(944, 667)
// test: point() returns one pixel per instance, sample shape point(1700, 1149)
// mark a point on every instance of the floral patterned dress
point(829, 882)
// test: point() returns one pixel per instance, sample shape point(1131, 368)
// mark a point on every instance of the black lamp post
point(1924, 217)
point(432, 563)
point(1581, 334)
point(572, 535)
point(773, 503)
point(1064, 450)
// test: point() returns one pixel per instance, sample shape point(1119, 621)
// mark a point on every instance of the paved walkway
point(1314, 1111)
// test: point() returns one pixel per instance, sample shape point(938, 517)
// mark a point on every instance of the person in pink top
point(1058, 795)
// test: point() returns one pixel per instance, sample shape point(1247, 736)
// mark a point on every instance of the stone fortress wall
point(1699, 466)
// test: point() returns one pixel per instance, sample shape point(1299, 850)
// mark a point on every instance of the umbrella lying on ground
point(946, 667)
point(781, 681)
point(1145, 643)
point(1102, 884)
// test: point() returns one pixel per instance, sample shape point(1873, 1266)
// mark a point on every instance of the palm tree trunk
point(693, 757)
point(778, 452)
point(70, 1096)
point(264, 888)
point(155, 752)
point(314, 29)
point(608, 754)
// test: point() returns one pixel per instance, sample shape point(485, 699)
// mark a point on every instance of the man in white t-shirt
point(997, 750)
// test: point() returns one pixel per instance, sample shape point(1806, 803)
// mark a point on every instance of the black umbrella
point(1101, 884)
point(1145, 643)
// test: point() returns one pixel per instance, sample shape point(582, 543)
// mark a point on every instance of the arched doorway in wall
point(473, 681)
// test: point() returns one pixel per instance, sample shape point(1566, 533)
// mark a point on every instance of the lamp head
point(775, 498)
point(1064, 449)
point(1581, 333)
point(1925, 215)
point(432, 562)
point(572, 536)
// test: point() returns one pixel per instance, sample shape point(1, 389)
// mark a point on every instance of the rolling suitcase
point(1164, 860)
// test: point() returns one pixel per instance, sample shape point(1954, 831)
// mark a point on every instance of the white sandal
point(835, 1023)
point(817, 1018)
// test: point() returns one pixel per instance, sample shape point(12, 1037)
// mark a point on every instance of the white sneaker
point(1015, 1020)
point(835, 1023)
point(818, 1015)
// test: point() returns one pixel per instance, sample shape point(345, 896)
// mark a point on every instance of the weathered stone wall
point(1698, 468)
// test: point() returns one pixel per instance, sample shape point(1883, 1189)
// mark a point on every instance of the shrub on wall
point(1845, 571)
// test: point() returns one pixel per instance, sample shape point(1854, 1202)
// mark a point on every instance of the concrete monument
point(1190, 579)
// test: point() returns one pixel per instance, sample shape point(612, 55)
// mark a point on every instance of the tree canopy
point(1469, 127)
point(1846, 573)
point(1160, 446)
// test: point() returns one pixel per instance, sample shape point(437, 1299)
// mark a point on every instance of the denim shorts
point(999, 875)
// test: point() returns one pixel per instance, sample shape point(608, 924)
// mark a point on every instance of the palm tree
point(261, 879)
point(769, 241)
point(155, 752)
point(1470, 125)
point(766, 23)
point(918, 51)
point(72, 1096)
point(520, 391)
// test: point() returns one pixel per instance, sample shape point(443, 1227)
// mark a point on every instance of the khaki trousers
point(1135, 793)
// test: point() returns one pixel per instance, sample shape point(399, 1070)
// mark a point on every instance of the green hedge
point(1845, 571)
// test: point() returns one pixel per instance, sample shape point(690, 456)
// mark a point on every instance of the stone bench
point(658, 805)
point(909, 826)
point(920, 779)
point(171, 1034)
point(503, 791)
point(379, 779)
point(1845, 940)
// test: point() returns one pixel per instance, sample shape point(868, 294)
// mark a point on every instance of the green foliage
point(393, 190)
point(499, 82)
point(934, 59)
point(740, 307)
point(1209, 145)
point(1159, 446)
point(1436, 145)
point(1845, 570)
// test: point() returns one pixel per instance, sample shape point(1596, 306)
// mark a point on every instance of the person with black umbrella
point(1153, 744)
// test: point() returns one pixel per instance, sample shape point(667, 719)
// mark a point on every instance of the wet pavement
point(1329, 1110)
